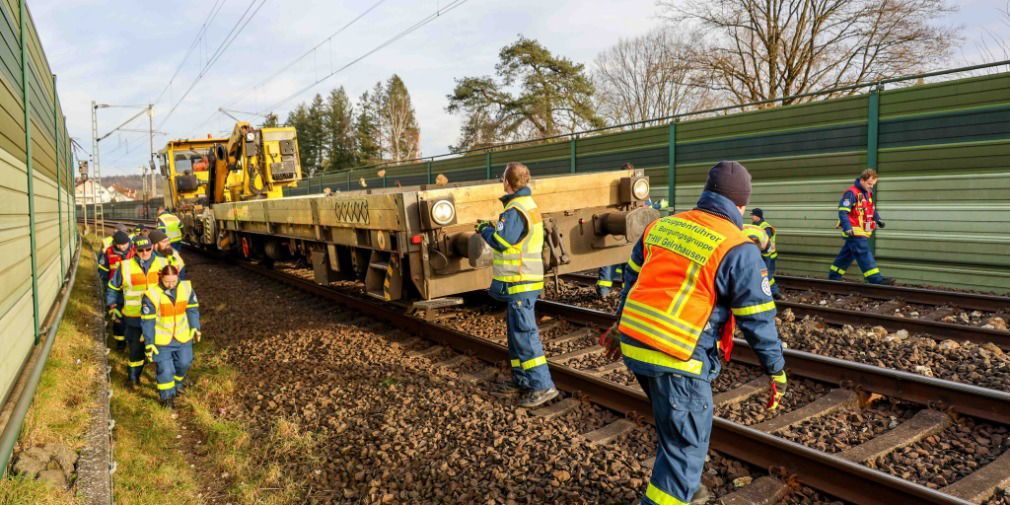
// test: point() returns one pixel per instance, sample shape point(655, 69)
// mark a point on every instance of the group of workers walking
point(692, 279)
point(152, 308)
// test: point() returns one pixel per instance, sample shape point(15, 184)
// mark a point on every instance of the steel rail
point(971, 301)
point(825, 472)
point(934, 329)
point(984, 403)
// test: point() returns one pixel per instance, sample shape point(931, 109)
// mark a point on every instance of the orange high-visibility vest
point(670, 303)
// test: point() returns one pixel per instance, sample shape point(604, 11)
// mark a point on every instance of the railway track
point(835, 386)
point(838, 475)
point(926, 312)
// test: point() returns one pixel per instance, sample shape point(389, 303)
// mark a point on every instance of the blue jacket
point(510, 227)
point(847, 201)
point(147, 307)
point(114, 295)
point(741, 281)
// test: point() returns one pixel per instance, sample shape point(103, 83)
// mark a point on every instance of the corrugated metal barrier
point(942, 150)
point(38, 234)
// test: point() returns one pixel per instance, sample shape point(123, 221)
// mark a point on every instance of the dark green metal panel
point(28, 168)
point(671, 166)
point(572, 153)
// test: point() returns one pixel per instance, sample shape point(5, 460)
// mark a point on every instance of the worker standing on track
point(123, 298)
point(163, 248)
point(605, 279)
point(769, 253)
point(691, 277)
point(858, 217)
point(517, 279)
point(120, 250)
point(171, 225)
point(170, 321)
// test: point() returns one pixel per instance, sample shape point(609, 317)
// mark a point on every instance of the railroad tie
point(453, 361)
point(576, 353)
point(741, 393)
point(608, 433)
point(982, 483)
point(924, 423)
point(480, 375)
point(765, 490)
point(573, 336)
point(427, 351)
point(556, 409)
point(835, 399)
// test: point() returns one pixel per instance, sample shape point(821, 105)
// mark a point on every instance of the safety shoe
point(701, 496)
point(602, 292)
point(777, 296)
point(506, 388)
point(132, 383)
point(536, 398)
point(888, 281)
point(168, 403)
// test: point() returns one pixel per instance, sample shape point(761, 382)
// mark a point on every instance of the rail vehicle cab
point(251, 164)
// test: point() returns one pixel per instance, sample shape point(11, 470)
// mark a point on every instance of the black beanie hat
point(730, 179)
point(156, 236)
point(757, 212)
point(120, 238)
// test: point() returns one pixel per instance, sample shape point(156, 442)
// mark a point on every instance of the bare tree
point(994, 45)
point(648, 77)
point(765, 49)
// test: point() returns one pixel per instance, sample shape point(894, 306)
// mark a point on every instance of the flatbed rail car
point(419, 243)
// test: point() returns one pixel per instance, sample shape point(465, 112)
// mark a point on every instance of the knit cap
point(730, 179)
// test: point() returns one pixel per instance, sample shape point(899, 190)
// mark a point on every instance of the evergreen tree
point(538, 94)
point(339, 130)
point(368, 146)
point(309, 123)
point(270, 121)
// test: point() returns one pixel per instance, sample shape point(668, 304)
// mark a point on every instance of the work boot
point(602, 292)
point(536, 398)
point(777, 296)
point(168, 403)
point(888, 281)
point(132, 383)
point(701, 496)
point(506, 388)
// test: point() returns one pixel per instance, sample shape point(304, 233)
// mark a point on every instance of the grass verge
point(60, 411)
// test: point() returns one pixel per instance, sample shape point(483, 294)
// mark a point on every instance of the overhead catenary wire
point(287, 66)
point(424, 21)
point(232, 35)
point(214, 11)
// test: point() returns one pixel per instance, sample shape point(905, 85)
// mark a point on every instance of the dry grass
point(60, 410)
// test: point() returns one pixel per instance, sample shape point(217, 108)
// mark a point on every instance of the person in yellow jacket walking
point(170, 321)
point(170, 225)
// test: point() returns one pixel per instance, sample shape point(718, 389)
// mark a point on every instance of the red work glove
point(778, 389)
point(611, 341)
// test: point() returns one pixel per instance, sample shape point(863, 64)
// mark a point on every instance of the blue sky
point(125, 52)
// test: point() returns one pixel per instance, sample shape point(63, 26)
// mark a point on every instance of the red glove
point(611, 341)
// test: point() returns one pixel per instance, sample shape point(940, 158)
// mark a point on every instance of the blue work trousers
point(857, 248)
point(526, 353)
point(173, 361)
point(119, 333)
point(135, 348)
point(177, 246)
point(606, 277)
point(682, 408)
point(770, 266)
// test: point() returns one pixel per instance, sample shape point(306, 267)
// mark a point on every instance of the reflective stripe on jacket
point(521, 262)
point(171, 225)
point(171, 319)
point(136, 281)
point(757, 235)
point(859, 209)
point(671, 302)
point(772, 251)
